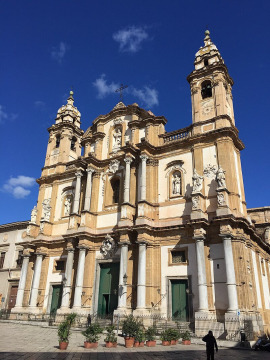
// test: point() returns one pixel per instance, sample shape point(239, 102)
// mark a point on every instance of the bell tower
point(65, 135)
point(211, 86)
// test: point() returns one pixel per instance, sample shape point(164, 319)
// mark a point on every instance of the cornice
point(14, 226)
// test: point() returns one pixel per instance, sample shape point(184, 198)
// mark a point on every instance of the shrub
point(140, 335)
point(110, 337)
point(64, 327)
point(150, 333)
point(130, 326)
point(92, 333)
point(186, 335)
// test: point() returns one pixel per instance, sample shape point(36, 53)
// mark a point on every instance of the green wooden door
point(179, 300)
point(56, 298)
point(108, 288)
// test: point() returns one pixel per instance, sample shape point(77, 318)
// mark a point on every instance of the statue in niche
point(220, 178)
point(67, 205)
point(197, 182)
point(176, 184)
point(117, 136)
point(46, 209)
point(108, 247)
point(34, 215)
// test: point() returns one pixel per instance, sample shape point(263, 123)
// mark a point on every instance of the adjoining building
point(11, 250)
point(148, 222)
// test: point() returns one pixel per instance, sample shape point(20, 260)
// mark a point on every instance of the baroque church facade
point(148, 222)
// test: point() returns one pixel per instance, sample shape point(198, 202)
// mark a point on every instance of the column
point(36, 279)
point(68, 275)
point(79, 279)
point(202, 285)
point(128, 161)
point(87, 201)
point(77, 193)
point(122, 293)
point(143, 178)
point(230, 274)
point(21, 287)
point(141, 276)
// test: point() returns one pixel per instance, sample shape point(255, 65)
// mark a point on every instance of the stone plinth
point(222, 202)
point(198, 206)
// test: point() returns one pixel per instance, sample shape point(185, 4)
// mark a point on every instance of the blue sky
point(49, 46)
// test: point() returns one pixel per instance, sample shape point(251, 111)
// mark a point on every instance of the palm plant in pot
point(150, 335)
point(186, 338)
point(129, 328)
point(111, 338)
point(139, 338)
point(64, 331)
point(92, 335)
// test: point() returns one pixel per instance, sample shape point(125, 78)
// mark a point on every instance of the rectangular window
point(178, 257)
point(60, 265)
point(2, 259)
point(20, 259)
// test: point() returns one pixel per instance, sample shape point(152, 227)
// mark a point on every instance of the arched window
point(73, 143)
point(57, 141)
point(206, 90)
point(115, 190)
point(206, 62)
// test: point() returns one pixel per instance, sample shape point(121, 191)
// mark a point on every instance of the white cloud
point(147, 96)
point(3, 114)
point(17, 186)
point(103, 88)
point(40, 104)
point(130, 39)
point(58, 52)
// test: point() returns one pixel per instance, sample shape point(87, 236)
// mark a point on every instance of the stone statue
point(220, 178)
point(197, 182)
point(195, 202)
point(46, 209)
point(108, 247)
point(220, 199)
point(176, 184)
point(117, 139)
point(67, 205)
point(34, 215)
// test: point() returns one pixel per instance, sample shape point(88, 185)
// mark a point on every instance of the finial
point(71, 92)
point(207, 32)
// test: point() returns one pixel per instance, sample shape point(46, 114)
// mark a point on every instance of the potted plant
point(165, 337)
point(111, 338)
point(64, 331)
point(150, 335)
point(175, 336)
point(186, 338)
point(139, 338)
point(129, 328)
point(92, 335)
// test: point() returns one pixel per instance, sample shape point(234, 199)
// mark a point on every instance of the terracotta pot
point(174, 342)
point(110, 344)
point(186, 342)
point(63, 345)
point(166, 343)
point(141, 344)
point(90, 345)
point(136, 344)
point(129, 342)
point(151, 343)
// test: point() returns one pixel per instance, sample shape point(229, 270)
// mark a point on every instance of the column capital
point(124, 243)
point(70, 249)
point(128, 159)
point(142, 242)
point(82, 247)
point(199, 234)
point(26, 255)
point(40, 254)
point(90, 170)
point(144, 157)
point(226, 236)
point(78, 174)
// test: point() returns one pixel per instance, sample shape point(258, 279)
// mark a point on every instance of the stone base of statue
point(222, 202)
point(73, 221)
point(198, 206)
